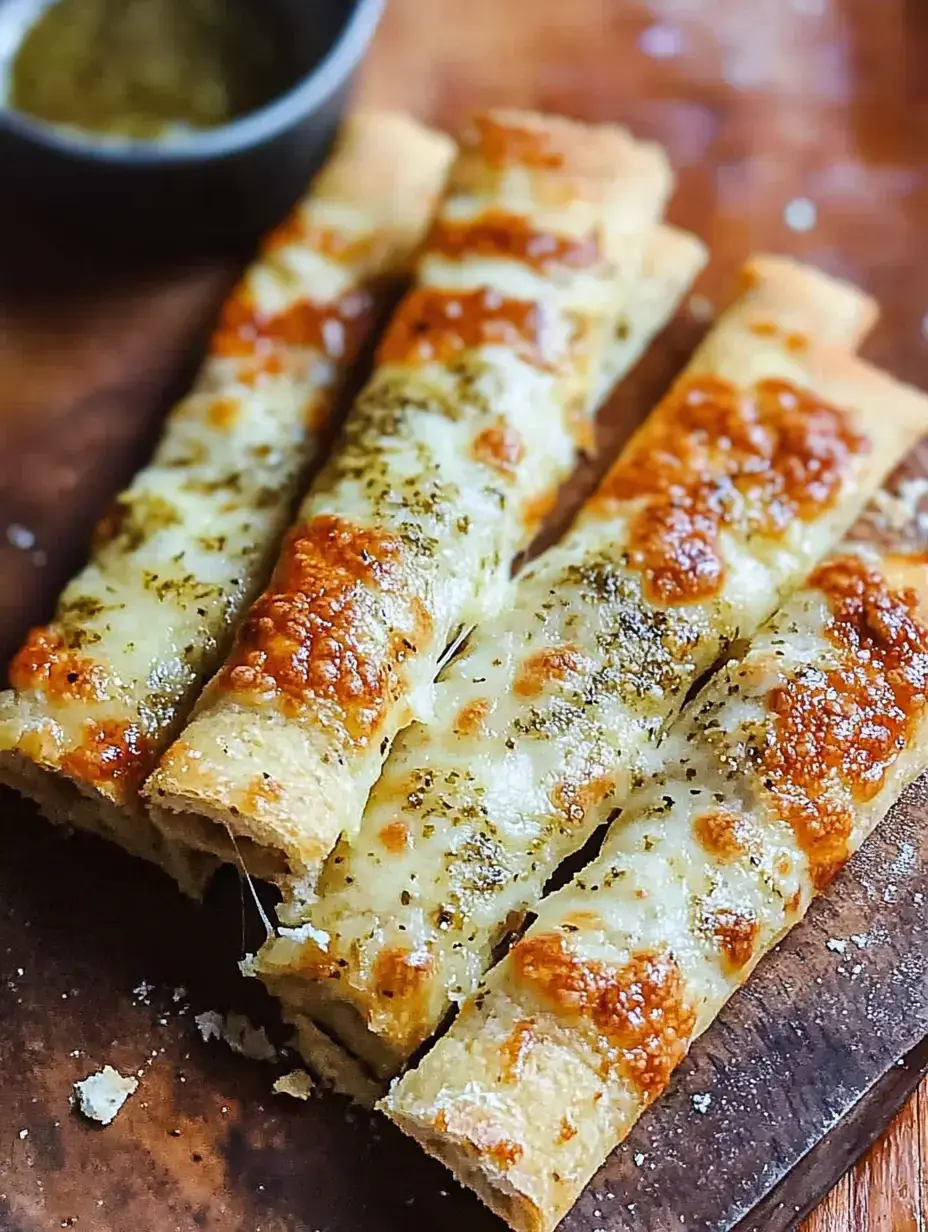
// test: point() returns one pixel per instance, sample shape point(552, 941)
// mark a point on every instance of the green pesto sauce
point(148, 68)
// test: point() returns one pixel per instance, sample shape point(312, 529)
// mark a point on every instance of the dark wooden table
point(761, 103)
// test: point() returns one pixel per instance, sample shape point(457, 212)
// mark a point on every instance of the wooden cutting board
point(762, 103)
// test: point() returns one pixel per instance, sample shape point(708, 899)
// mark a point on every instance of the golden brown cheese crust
point(336, 329)
point(497, 233)
point(713, 448)
point(639, 1008)
point(99, 692)
point(436, 326)
point(597, 1003)
point(845, 725)
point(303, 643)
point(465, 424)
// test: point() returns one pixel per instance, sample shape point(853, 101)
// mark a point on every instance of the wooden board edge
point(813, 1176)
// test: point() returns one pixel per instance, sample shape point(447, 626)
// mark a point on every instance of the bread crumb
point(661, 42)
point(800, 214)
point(248, 966)
point(19, 536)
point(101, 1095)
point(297, 1083)
point(241, 1036)
point(836, 944)
point(701, 1102)
point(701, 308)
point(209, 1024)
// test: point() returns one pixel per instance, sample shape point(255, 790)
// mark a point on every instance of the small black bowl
point(215, 189)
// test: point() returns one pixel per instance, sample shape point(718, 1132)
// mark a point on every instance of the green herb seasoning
point(148, 68)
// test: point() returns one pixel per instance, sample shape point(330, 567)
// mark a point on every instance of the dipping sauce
point(149, 69)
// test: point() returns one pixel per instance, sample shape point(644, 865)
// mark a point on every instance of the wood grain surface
point(761, 103)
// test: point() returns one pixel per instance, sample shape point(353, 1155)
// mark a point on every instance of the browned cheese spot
point(470, 718)
point(638, 1009)
point(337, 329)
point(736, 933)
point(45, 663)
point(722, 834)
point(572, 800)
point(515, 1049)
point(500, 447)
point(395, 836)
point(496, 233)
point(307, 638)
point(551, 663)
point(438, 326)
point(114, 756)
point(833, 735)
point(713, 455)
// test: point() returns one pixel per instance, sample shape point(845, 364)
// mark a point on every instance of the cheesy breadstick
point(100, 691)
point(483, 390)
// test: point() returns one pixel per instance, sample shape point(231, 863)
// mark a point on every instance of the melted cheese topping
point(710, 863)
point(551, 712)
point(466, 424)
point(99, 692)
point(718, 456)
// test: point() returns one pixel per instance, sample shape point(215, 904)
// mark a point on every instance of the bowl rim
point(338, 63)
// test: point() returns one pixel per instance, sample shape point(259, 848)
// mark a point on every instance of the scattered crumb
point(800, 214)
point(142, 992)
point(209, 1024)
point(895, 510)
point(661, 42)
point(836, 944)
point(701, 1102)
point(19, 536)
point(23, 1133)
point(243, 1038)
point(905, 861)
point(639, 1159)
point(861, 940)
point(701, 308)
point(918, 899)
point(297, 1083)
point(101, 1095)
